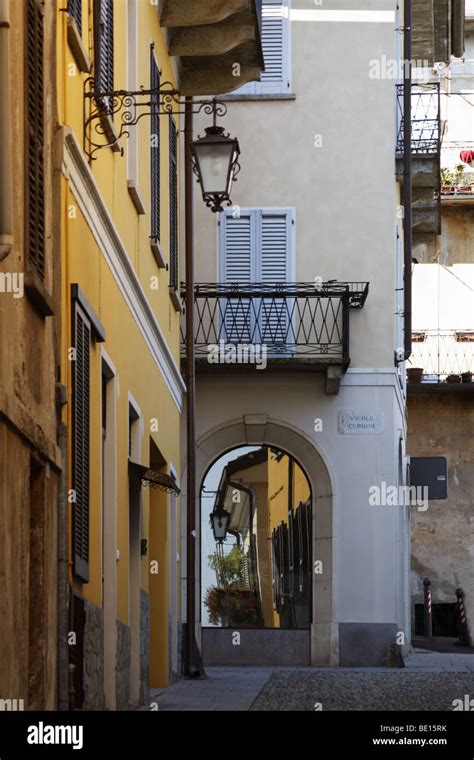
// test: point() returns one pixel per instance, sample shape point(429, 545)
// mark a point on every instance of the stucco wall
point(345, 218)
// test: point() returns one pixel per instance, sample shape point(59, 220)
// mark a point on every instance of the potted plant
point(415, 374)
point(447, 182)
point(466, 377)
point(453, 379)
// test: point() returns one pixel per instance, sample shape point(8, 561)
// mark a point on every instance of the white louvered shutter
point(238, 240)
point(273, 43)
point(276, 51)
point(273, 263)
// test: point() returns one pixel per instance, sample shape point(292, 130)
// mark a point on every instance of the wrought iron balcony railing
point(425, 119)
point(293, 321)
point(443, 353)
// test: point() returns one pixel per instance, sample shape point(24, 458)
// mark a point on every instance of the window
point(173, 140)
point(257, 247)
point(80, 441)
point(74, 9)
point(276, 52)
point(104, 45)
point(155, 149)
point(35, 231)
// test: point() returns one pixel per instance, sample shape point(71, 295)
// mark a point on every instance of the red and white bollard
point(464, 636)
point(428, 620)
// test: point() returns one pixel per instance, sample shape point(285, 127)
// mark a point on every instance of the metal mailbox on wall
point(432, 473)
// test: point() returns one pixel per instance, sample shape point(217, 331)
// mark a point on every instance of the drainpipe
point(407, 171)
point(192, 657)
point(63, 586)
point(458, 17)
point(6, 216)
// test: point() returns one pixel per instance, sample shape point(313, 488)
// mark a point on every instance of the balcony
point(212, 37)
point(425, 149)
point(446, 358)
point(282, 327)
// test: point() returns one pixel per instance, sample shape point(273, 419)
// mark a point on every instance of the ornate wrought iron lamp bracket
point(108, 116)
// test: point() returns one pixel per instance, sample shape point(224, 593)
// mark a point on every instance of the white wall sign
point(360, 422)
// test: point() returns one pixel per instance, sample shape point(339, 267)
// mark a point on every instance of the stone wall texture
point(93, 657)
point(123, 666)
point(441, 424)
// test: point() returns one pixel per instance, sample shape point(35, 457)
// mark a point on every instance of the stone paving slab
point(224, 689)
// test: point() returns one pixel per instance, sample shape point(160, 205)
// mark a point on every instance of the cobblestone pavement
point(430, 681)
point(344, 690)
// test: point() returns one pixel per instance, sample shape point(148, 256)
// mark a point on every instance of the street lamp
point(215, 163)
point(219, 521)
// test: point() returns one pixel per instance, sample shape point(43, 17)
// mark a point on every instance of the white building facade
point(308, 262)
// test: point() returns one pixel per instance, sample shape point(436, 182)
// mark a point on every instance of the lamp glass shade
point(215, 165)
point(220, 521)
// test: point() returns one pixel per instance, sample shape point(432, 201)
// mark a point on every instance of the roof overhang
point(217, 43)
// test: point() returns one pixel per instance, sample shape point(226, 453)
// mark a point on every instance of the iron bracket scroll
point(153, 479)
point(108, 116)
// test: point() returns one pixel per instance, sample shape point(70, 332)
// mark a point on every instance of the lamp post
point(219, 521)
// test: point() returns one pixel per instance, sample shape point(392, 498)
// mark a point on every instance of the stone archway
point(262, 430)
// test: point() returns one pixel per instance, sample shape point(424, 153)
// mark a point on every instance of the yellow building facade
point(119, 355)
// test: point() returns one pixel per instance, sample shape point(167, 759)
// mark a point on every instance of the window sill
point(157, 253)
point(38, 295)
point(77, 48)
point(263, 96)
point(136, 197)
point(110, 133)
point(175, 300)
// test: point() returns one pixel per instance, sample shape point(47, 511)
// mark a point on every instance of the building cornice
point(91, 203)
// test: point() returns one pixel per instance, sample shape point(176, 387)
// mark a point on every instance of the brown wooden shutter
point(80, 441)
point(155, 149)
point(173, 161)
point(104, 45)
point(35, 229)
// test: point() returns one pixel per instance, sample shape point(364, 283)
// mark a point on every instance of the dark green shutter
point(155, 149)
point(104, 45)
point(80, 442)
point(35, 230)
point(74, 9)
point(173, 205)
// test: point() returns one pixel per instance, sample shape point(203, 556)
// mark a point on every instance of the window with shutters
point(80, 441)
point(276, 38)
point(104, 45)
point(74, 9)
point(155, 149)
point(257, 247)
point(173, 169)
point(35, 211)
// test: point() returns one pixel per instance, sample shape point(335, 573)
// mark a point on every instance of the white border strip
point(362, 17)
point(89, 199)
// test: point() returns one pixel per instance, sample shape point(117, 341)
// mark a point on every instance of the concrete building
point(307, 264)
point(441, 406)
